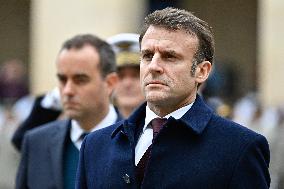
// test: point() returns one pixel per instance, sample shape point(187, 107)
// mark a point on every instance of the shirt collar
point(77, 131)
point(177, 114)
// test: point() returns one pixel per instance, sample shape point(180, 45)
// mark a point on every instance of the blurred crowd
point(16, 104)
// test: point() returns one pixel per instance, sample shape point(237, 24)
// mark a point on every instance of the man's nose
point(156, 64)
point(68, 88)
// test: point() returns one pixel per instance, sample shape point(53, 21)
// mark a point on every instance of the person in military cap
point(127, 95)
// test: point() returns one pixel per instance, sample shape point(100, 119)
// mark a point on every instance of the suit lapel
point(56, 150)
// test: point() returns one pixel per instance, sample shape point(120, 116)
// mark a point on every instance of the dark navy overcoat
point(199, 151)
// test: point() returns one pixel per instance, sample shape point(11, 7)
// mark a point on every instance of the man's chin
point(72, 114)
point(156, 99)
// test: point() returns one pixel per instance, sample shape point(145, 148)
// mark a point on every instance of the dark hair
point(177, 19)
point(107, 63)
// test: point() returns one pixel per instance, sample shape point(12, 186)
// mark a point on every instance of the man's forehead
point(160, 37)
point(167, 46)
point(86, 49)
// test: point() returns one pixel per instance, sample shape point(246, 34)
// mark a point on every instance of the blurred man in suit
point(86, 74)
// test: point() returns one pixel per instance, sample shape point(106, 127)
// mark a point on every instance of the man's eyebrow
point(146, 51)
point(171, 52)
point(74, 76)
point(60, 75)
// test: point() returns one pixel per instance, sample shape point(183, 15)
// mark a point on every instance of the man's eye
point(169, 56)
point(147, 56)
point(61, 80)
point(80, 80)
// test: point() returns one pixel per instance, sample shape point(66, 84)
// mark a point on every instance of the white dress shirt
point(77, 131)
point(145, 139)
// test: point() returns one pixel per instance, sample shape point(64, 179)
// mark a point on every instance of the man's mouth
point(155, 83)
point(69, 104)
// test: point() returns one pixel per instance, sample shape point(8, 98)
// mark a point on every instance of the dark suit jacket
point(41, 165)
point(42, 155)
point(199, 151)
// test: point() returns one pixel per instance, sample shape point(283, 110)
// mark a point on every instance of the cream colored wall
point(271, 51)
point(54, 21)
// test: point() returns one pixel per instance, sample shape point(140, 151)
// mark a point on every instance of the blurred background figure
point(15, 103)
point(127, 95)
point(46, 108)
point(13, 81)
point(14, 90)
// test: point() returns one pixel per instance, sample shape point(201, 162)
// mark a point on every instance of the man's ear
point(111, 81)
point(202, 71)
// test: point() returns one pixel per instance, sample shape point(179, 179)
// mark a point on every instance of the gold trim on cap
point(126, 58)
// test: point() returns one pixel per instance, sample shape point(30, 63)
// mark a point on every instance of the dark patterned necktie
point(156, 124)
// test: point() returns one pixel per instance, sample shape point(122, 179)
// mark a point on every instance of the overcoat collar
point(198, 116)
point(196, 119)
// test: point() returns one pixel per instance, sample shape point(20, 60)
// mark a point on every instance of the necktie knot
point(157, 124)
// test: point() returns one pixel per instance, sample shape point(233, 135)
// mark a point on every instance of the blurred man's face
point(128, 93)
point(84, 92)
